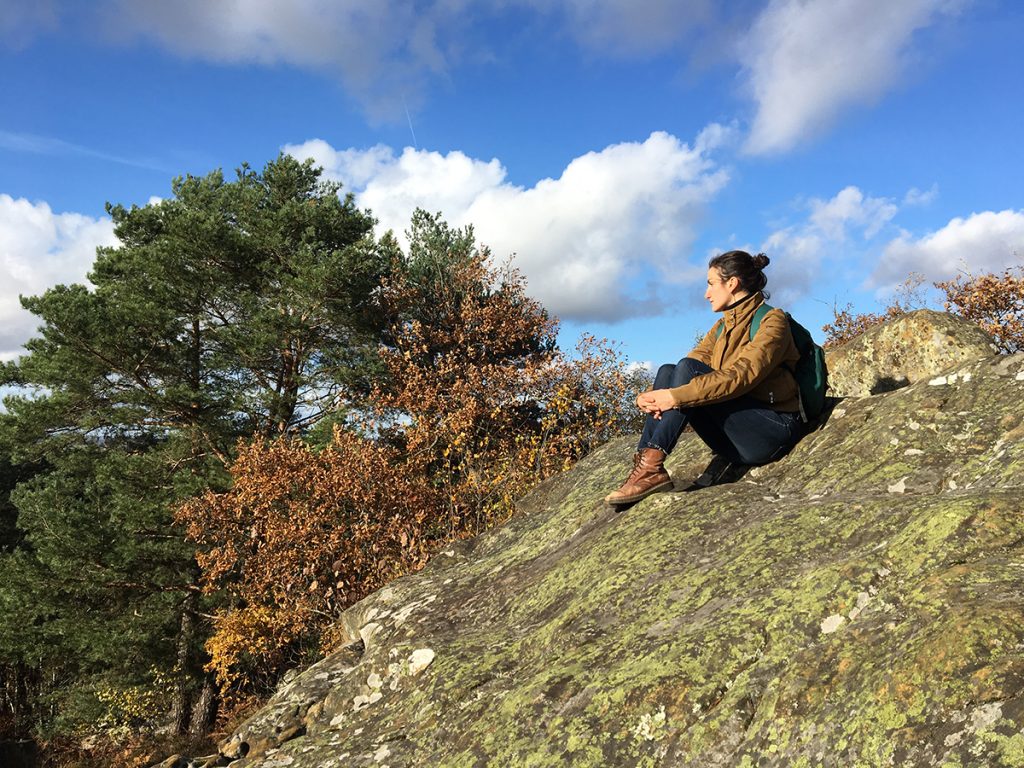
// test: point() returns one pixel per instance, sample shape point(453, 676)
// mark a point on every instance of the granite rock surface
point(858, 603)
point(915, 346)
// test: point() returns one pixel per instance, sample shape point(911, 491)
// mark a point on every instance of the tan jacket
point(759, 368)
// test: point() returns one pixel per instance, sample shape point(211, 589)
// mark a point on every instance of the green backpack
point(810, 372)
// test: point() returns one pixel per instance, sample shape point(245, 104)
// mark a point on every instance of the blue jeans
point(743, 429)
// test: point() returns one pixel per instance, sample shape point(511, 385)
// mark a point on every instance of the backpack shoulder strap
point(759, 314)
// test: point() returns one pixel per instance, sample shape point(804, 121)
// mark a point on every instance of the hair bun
point(760, 261)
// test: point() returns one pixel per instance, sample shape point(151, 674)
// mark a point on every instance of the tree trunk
point(204, 712)
point(26, 691)
point(181, 705)
point(19, 689)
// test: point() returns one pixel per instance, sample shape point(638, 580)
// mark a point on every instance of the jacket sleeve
point(705, 346)
point(754, 363)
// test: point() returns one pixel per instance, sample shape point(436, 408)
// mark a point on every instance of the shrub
point(995, 302)
point(478, 405)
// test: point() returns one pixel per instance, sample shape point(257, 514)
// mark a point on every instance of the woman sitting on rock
point(737, 393)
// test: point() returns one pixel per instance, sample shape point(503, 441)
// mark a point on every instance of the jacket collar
point(743, 310)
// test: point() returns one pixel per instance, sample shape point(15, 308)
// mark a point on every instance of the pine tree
point(227, 310)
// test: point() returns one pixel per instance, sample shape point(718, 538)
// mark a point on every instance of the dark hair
point(749, 270)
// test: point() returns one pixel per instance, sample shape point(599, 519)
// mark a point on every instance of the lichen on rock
point(806, 615)
point(917, 346)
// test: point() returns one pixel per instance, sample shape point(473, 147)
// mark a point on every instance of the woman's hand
point(655, 402)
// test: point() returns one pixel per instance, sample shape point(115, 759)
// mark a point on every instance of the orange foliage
point(459, 387)
point(479, 406)
point(299, 536)
point(491, 405)
point(994, 302)
point(846, 325)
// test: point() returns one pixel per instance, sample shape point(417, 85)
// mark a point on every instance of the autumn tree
point(231, 308)
point(479, 397)
point(995, 302)
point(478, 405)
point(301, 535)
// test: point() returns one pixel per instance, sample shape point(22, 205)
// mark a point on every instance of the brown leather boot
point(648, 476)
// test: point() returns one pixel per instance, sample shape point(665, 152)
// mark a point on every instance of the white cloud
point(850, 207)
point(19, 22)
point(383, 51)
point(795, 254)
point(808, 60)
point(393, 186)
point(642, 366)
point(587, 241)
point(803, 61)
point(631, 27)
point(386, 52)
point(38, 249)
point(797, 251)
point(916, 196)
point(983, 242)
point(46, 145)
point(363, 40)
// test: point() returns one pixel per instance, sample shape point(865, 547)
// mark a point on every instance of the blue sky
point(612, 146)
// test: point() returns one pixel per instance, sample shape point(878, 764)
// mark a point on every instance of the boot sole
point(668, 485)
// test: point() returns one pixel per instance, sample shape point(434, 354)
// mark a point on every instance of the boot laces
point(638, 468)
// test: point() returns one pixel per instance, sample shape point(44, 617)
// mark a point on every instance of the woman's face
point(721, 293)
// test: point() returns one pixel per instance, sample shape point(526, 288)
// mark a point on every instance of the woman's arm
point(654, 401)
point(754, 363)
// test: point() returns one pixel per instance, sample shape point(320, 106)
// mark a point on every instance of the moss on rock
point(858, 603)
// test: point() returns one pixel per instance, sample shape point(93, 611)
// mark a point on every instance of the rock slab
point(858, 603)
point(913, 347)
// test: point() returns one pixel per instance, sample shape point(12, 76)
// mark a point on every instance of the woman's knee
point(686, 370)
point(663, 379)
